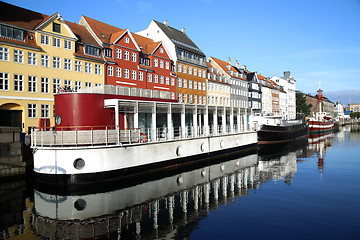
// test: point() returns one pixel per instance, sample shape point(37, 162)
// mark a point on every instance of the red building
point(132, 60)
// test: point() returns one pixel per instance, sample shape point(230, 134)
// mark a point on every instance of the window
point(45, 109)
point(161, 79)
point(203, 87)
point(141, 76)
point(31, 58)
point(56, 85)
point(97, 84)
point(45, 39)
point(118, 72)
point(189, 70)
point(161, 64)
point(77, 85)
point(88, 67)
point(13, 33)
point(4, 54)
point(56, 62)
point(195, 99)
point(203, 73)
point(179, 97)
point(199, 86)
point(118, 53)
point(184, 69)
point(32, 110)
point(149, 77)
point(195, 85)
point(204, 100)
point(172, 95)
point(126, 40)
point(172, 81)
point(110, 70)
point(67, 64)
point(161, 50)
point(56, 42)
point(88, 84)
point(156, 78)
point(32, 84)
point(126, 55)
point(190, 84)
point(179, 67)
point(155, 62)
point(133, 57)
point(199, 72)
point(190, 98)
point(18, 56)
point(44, 85)
point(167, 66)
point(67, 44)
point(195, 71)
point(67, 84)
point(126, 73)
point(167, 80)
point(179, 82)
point(184, 98)
point(133, 74)
point(56, 27)
point(92, 51)
point(78, 66)
point(18, 83)
point(97, 69)
point(44, 60)
point(107, 52)
point(184, 83)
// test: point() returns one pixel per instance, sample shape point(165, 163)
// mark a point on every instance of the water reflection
point(168, 207)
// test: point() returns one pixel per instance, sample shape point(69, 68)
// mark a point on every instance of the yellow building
point(39, 56)
point(218, 91)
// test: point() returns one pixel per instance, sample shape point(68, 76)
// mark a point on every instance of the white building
point(288, 84)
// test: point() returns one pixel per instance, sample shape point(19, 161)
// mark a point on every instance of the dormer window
point(92, 51)
point(107, 52)
point(56, 28)
point(126, 40)
point(13, 33)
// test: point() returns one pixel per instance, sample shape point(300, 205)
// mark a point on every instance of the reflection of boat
point(150, 209)
point(321, 122)
point(287, 131)
point(104, 135)
point(318, 143)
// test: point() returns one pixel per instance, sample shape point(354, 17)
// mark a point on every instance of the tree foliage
point(355, 115)
point(301, 106)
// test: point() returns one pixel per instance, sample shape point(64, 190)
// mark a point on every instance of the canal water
point(306, 191)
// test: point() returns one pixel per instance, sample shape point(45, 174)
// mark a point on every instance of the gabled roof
point(20, 17)
point(214, 72)
point(180, 39)
point(102, 30)
point(82, 34)
point(226, 67)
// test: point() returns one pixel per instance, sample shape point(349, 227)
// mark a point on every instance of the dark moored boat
point(285, 132)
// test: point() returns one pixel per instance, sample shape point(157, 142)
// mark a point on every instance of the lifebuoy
point(143, 140)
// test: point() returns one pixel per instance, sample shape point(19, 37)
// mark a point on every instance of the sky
point(318, 41)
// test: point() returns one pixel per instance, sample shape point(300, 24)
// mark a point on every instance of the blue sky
point(316, 40)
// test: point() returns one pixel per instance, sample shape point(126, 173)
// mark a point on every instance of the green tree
point(355, 115)
point(301, 106)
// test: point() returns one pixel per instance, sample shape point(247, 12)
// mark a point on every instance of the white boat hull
point(102, 159)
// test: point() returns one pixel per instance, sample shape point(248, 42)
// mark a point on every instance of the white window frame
point(118, 72)
point(78, 66)
point(155, 62)
point(126, 40)
point(32, 58)
point(4, 54)
point(18, 56)
point(133, 74)
point(56, 42)
point(18, 82)
point(172, 81)
point(149, 77)
point(56, 85)
point(45, 85)
point(133, 57)
point(32, 110)
point(156, 80)
point(141, 76)
point(161, 65)
point(110, 71)
point(118, 53)
point(67, 64)
point(97, 69)
point(67, 44)
point(167, 65)
point(56, 62)
point(44, 60)
point(45, 39)
point(32, 84)
point(78, 85)
point(88, 67)
point(126, 73)
point(179, 68)
point(45, 110)
point(126, 55)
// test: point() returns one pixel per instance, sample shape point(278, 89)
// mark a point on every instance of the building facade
point(39, 56)
point(189, 60)
point(218, 89)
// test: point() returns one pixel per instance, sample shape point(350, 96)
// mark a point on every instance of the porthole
point(237, 142)
point(79, 163)
point(58, 119)
point(80, 204)
point(222, 167)
point(180, 180)
point(203, 173)
point(179, 151)
point(202, 147)
point(222, 144)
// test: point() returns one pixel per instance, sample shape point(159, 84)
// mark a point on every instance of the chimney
point(183, 30)
point(237, 64)
point(229, 61)
point(166, 22)
point(244, 67)
point(287, 74)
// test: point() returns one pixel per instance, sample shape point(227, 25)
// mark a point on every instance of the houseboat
point(321, 121)
point(284, 132)
point(106, 132)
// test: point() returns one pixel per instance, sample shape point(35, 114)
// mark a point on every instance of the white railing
point(111, 136)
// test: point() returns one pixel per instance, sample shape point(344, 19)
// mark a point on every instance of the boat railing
point(110, 135)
